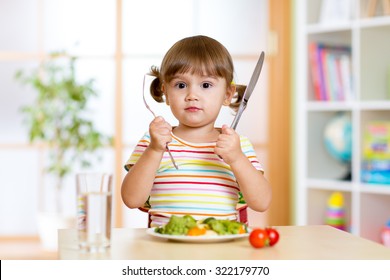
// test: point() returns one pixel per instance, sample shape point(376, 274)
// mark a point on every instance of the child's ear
point(229, 94)
point(165, 94)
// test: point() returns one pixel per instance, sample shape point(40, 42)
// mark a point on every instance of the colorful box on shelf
point(376, 142)
point(375, 177)
point(376, 153)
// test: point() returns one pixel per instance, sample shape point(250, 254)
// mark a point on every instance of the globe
point(338, 137)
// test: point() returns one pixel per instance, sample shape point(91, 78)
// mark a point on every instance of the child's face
point(196, 100)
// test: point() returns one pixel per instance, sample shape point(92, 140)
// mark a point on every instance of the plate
point(197, 239)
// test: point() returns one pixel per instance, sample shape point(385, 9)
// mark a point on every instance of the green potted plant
point(58, 118)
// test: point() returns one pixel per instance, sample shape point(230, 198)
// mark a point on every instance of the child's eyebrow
point(177, 77)
point(181, 76)
point(209, 76)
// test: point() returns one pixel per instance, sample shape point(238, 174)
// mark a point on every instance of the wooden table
point(24, 249)
point(296, 242)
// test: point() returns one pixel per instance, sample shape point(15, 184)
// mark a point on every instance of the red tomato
point(273, 235)
point(258, 238)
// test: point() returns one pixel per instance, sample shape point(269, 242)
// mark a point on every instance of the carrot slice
point(196, 231)
point(242, 230)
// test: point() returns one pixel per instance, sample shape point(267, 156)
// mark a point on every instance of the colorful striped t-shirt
point(203, 186)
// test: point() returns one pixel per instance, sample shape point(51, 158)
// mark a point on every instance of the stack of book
point(331, 72)
point(376, 153)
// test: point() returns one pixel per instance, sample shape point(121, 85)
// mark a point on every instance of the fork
point(150, 110)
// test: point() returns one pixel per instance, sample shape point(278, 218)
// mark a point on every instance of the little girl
point(214, 164)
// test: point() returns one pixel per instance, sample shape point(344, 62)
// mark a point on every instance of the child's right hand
point(160, 134)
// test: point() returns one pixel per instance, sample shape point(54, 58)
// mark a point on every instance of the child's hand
point(160, 134)
point(228, 145)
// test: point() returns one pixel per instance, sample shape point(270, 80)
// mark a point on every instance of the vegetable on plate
point(187, 225)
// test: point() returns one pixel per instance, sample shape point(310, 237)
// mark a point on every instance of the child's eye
point(180, 85)
point(206, 85)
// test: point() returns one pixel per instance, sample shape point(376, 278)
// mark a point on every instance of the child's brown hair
point(200, 55)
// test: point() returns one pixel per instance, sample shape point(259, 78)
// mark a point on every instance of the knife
point(248, 91)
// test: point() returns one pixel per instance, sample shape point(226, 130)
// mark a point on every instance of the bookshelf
point(366, 34)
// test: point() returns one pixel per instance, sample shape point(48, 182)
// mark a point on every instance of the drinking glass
point(94, 207)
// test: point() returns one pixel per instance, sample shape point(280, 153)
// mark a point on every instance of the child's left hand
point(228, 145)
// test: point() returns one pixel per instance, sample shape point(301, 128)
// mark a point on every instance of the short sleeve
point(249, 151)
point(138, 151)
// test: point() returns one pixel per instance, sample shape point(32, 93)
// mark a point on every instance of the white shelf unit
point(316, 173)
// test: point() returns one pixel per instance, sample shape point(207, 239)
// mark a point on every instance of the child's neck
point(197, 134)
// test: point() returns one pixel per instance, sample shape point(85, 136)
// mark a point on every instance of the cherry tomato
point(258, 238)
point(273, 235)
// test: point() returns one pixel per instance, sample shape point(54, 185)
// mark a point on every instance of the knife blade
point(249, 90)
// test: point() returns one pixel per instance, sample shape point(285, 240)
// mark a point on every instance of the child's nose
point(192, 94)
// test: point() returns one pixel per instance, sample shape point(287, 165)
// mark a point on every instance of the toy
point(335, 215)
point(385, 234)
point(338, 140)
point(338, 137)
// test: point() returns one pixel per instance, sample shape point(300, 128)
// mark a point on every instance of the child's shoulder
point(245, 142)
point(244, 138)
point(146, 135)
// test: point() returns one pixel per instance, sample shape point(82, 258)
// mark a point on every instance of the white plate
point(197, 239)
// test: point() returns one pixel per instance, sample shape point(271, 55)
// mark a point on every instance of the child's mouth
point(192, 109)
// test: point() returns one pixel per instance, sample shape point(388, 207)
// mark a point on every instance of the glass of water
point(94, 207)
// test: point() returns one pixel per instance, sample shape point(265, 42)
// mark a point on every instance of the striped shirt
point(203, 186)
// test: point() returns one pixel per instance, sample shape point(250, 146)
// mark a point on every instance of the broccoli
point(177, 225)
point(223, 227)
point(181, 225)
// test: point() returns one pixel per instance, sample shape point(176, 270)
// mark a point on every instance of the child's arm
point(253, 185)
point(138, 182)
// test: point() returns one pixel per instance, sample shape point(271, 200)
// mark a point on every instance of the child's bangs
point(195, 64)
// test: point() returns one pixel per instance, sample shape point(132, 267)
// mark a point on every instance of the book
point(335, 90)
point(331, 74)
point(325, 65)
point(346, 73)
point(315, 72)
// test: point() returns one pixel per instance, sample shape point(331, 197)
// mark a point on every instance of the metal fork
point(150, 110)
